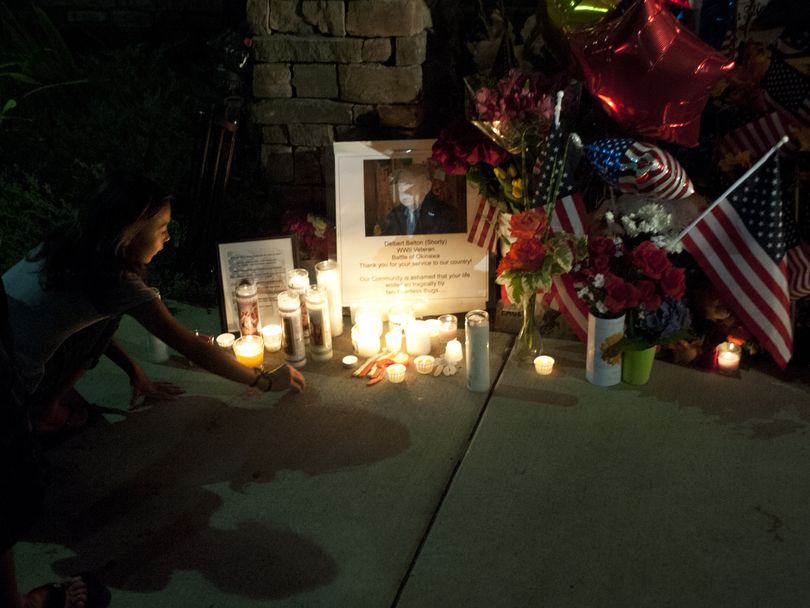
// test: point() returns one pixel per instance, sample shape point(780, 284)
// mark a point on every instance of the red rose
point(673, 282)
point(647, 295)
point(524, 254)
point(493, 154)
point(619, 295)
point(528, 224)
point(650, 260)
point(601, 246)
point(444, 154)
point(600, 263)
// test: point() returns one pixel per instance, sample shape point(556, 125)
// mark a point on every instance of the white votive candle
point(272, 337)
point(399, 316)
point(395, 373)
point(453, 353)
point(543, 365)
point(366, 344)
point(448, 327)
point(393, 340)
point(417, 338)
point(728, 357)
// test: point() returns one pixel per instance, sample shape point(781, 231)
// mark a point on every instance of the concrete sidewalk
point(688, 491)
point(226, 497)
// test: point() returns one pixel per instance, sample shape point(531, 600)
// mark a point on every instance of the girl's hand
point(285, 377)
point(144, 389)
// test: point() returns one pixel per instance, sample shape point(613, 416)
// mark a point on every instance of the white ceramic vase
point(599, 370)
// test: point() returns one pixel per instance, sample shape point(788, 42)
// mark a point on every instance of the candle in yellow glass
point(249, 350)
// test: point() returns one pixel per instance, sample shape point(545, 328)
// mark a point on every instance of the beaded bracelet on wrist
point(262, 375)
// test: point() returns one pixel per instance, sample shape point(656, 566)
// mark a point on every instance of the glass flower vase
point(529, 342)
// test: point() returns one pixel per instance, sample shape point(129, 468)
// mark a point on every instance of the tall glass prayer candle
point(328, 277)
point(320, 335)
point(292, 331)
point(298, 281)
point(476, 329)
point(247, 305)
point(417, 338)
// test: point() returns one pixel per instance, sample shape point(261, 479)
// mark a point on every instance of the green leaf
point(9, 105)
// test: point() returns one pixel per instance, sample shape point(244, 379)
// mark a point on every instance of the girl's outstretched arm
point(157, 319)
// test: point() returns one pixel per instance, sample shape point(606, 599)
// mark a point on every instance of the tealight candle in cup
point(448, 327)
point(424, 364)
point(249, 350)
point(728, 358)
point(393, 340)
point(544, 365)
point(272, 337)
point(453, 353)
point(395, 373)
point(225, 341)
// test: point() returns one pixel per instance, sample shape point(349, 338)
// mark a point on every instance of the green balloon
point(576, 15)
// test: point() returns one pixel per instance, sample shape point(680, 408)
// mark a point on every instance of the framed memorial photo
point(267, 261)
point(402, 229)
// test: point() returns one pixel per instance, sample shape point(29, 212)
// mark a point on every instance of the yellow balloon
point(576, 15)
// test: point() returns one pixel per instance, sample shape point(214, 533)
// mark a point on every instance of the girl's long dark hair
point(91, 252)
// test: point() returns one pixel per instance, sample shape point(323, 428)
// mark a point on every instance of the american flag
point(569, 216)
point(798, 262)
point(740, 245)
point(787, 89)
point(551, 161)
point(484, 229)
point(757, 136)
point(635, 166)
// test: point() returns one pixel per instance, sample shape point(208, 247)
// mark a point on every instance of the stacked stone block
point(329, 70)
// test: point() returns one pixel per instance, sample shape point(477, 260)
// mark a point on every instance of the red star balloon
point(651, 74)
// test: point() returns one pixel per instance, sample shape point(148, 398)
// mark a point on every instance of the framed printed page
point(265, 260)
point(402, 229)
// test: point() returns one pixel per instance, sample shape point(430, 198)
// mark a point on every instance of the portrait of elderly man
point(418, 205)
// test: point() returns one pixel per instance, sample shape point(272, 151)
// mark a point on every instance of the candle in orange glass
point(249, 350)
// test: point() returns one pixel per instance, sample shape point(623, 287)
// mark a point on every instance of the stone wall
point(332, 70)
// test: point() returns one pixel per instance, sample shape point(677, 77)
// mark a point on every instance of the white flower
point(629, 223)
point(609, 217)
point(584, 293)
point(600, 307)
point(659, 241)
point(599, 280)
